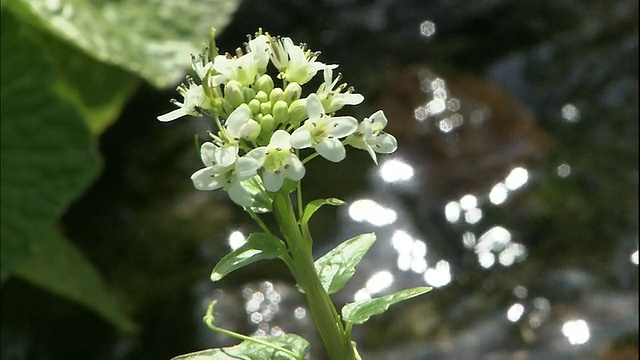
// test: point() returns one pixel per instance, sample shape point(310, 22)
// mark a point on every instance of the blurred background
point(514, 191)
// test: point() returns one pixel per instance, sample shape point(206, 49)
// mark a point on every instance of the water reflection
point(396, 170)
point(438, 276)
point(367, 210)
point(516, 178)
point(576, 331)
point(515, 312)
point(427, 28)
point(570, 113)
point(236, 239)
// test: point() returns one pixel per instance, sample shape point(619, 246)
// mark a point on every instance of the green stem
point(326, 317)
point(208, 319)
point(259, 221)
point(309, 158)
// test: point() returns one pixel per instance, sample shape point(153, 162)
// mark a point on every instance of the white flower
point(194, 99)
point(243, 69)
point(200, 65)
point(295, 64)
point(215, 176)
point(260, 48)
point(334, 100)
point(278, 160)
point(238, 126)
point(370, 137)
point(322, 132)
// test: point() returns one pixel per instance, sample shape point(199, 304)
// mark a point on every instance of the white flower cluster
point(261, 126)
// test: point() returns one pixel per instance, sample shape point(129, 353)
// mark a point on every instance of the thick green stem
point(326, 317)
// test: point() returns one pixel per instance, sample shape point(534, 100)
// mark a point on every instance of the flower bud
point(267, 125)
point(265, 83)
point(265, 108)
point(276, 94)
point(254, 105)
point(292, 92)
point(227, 107)
point(262, 96)
point(233, 93)
point(297, 111)
point(280, 111)
point(248, 93)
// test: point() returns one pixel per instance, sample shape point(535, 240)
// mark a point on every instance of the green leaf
point(248, 350)
point(150, 38)
point(314, 205)
point(360, 311)
point(48, 155)
point(57, 266)
point(258, 247)
point(97, 90)
point(337, 266)
point(261, 201)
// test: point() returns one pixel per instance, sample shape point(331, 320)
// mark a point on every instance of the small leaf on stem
point(360, 311)
point(337, 266)
point(313, 206)
point(258, 246)
point(248, 350)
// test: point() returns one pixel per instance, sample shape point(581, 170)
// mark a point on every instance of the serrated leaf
point(248, 350)
point(258, 247)
point(48, 155)
point(57, 266)
point(150, 38)
point(337, 266)
point(360, 311)
point(314, 205)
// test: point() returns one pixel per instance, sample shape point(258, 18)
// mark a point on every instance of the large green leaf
point(58, 266)
point(97, 90)
point(48, 155)
point(150, 38)
point(360, 311)
point(248, 350)
point(258, 247)
point(337, 266)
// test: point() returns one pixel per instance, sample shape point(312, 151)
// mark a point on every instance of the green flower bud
point(265, 83)
point(265, 108)
point(227, 107)
point(297, 111)
point(267, 125)
point(254, 105)
point(280, 111)
point(292, 92)
point(248, 93)
point(233, 93)
point(276, 94)
point(262, 96)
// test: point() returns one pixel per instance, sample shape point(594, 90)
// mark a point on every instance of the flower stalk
point(322, 309)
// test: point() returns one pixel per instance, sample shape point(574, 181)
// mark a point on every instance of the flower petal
point(258, 154)
point(314, 107)
point(239, 194)
point(331, 149)
point(378, 120)
point(293, 168)
point(237, 119)
point(272, 181)
point(384, 143)
point(301, 138)
point(207, 179)
point(341, 126)
point(280, 139)
point(226, 155)
point(208, 153)
point(246, 167)
point(172, 115)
